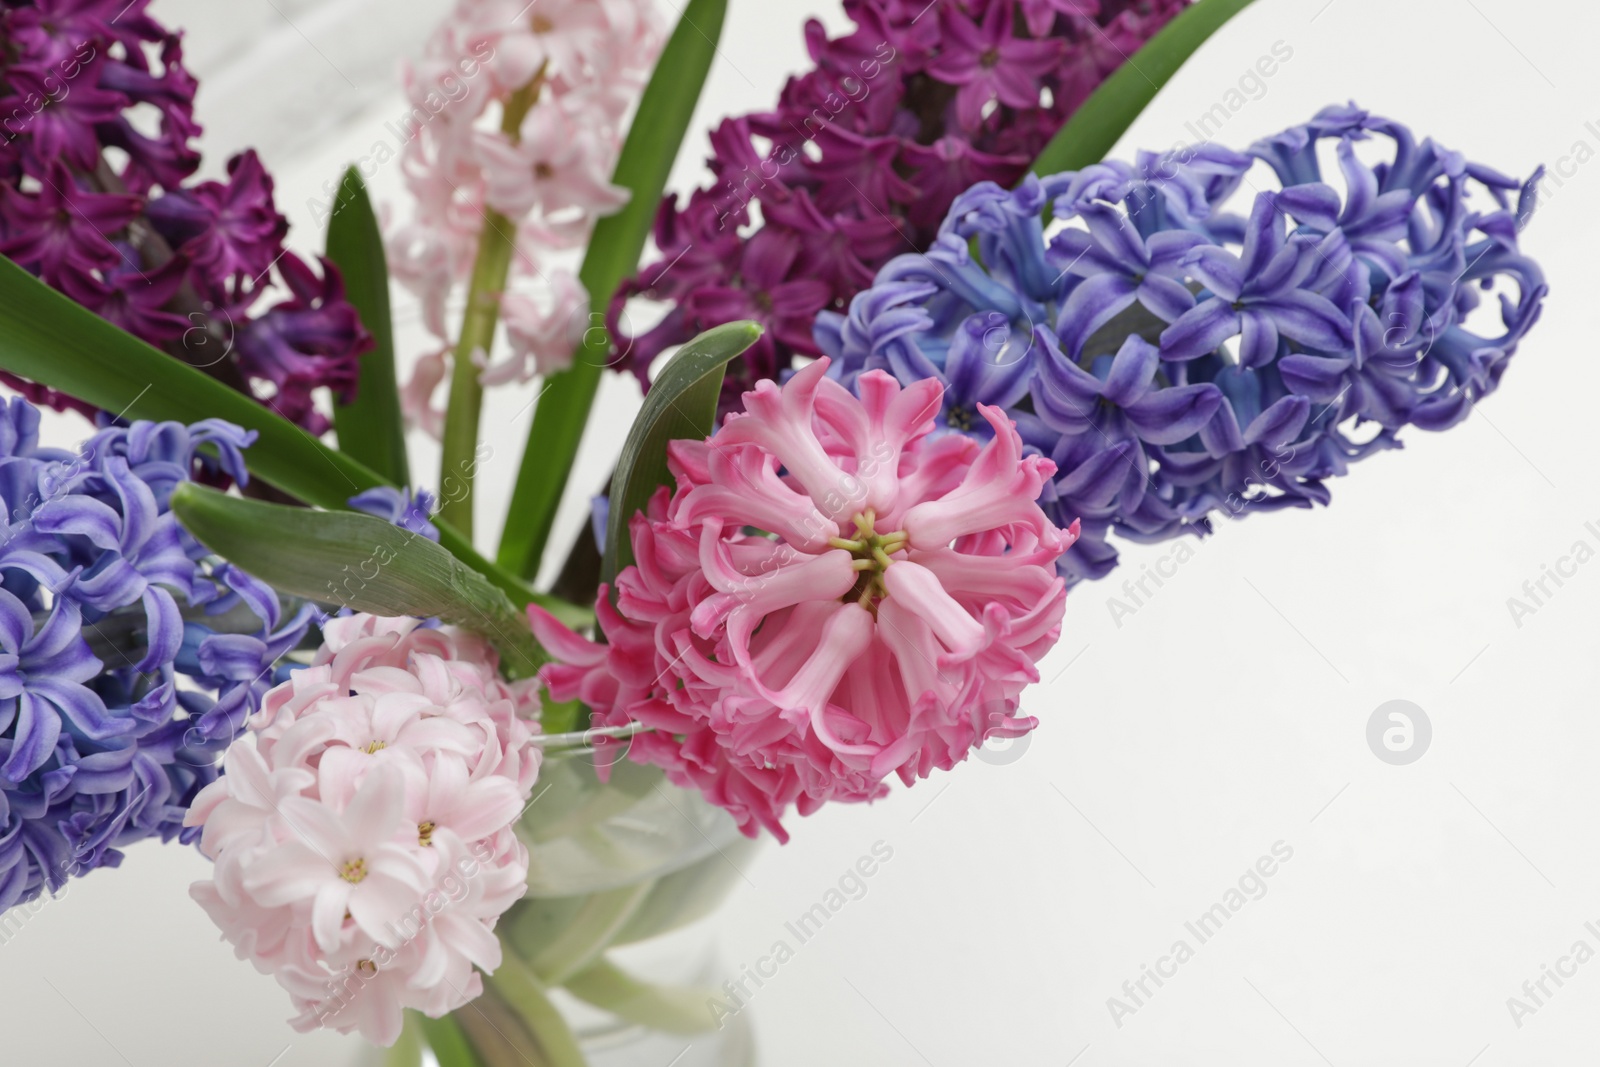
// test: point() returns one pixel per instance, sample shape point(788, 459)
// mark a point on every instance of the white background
point(1228, 714)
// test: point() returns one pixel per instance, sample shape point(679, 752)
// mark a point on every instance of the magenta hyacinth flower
point(832, 596)
point(184, 268)
point(862, 157)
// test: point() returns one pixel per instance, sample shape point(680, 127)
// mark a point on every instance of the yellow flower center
point(873, 553)
point(354, 870)
point(425, 833)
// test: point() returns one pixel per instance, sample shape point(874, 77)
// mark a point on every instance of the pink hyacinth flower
point(831, 596)
point(363, 833)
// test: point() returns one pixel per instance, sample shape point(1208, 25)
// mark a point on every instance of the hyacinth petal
point(1090, 306)
point(1173, 415)
point(1218, 270)
point(747, 599)
point(1169, 298)
point(1258, 338)
point(1000, 484)
point(1097, 480)
point(779, 422)
point(328, 909)
point(1310, 319)
point(561, 642)
point(37, 728)
point(1132, 371)
point(844, 636)
point(163, 627)
point(1318, 377)
point(757, 494)
point(1314, 203)
point(1280, 423)
point(877, 425)
point(1200, 331)
point(97, 521)
point(920, 589)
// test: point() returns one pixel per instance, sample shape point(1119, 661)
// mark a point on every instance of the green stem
point(446, 1041)
point(515, 984)
point(407, 1051)
point(673, 1009)
point(589, 933)
point(665, 110)
point(491, 269)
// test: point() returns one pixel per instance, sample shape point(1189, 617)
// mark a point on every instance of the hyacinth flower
point(509, 151)
point(129, 658)
point(1175, 359)
point(363, 833)
point(865, 155)
point(832, 595)
point(102, 207)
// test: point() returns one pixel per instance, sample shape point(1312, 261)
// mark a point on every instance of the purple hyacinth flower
point(60, 230)
point(863, 155)
point(1119, 399)
point(404, 508)
point(306, 342)
point(988, 62)
point(1381, 325)
point(1041, 15)
point(129, 657)
point(230, 230)
point(59, 122)
point(1261, 294)
point(1119, 268)
point(42, 671)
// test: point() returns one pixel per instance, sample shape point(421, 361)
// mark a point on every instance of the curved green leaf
point(681, 403)
point(446, 1041)
point(370, 428)
point(614, 250)
point(48, 339)
point(1094, 128)
point(346, 559)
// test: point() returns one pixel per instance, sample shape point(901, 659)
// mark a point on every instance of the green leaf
point(370, 428)
point(1094, 128)
point(347, 559)
point(652, 145)
point(448, 1044)
point(47, 338)
point(669, 1009)
point(681, 403)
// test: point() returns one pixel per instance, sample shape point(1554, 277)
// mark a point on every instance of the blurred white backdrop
point(1226, 718)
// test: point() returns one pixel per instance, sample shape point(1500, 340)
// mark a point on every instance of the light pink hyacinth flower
point(549, 177)
point(363, 836)
point(830, 597)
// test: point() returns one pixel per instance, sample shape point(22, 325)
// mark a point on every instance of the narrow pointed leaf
point(682, 403)
point(647, 156)
point(47, 338)
point(346, 559)
point(1094, 128)
point(370, 428)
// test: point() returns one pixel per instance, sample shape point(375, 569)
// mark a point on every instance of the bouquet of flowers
point(921, 359)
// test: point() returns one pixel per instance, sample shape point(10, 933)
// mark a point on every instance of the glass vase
point(606, 963)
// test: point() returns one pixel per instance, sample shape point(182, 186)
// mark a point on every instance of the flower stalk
point(496, 248)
